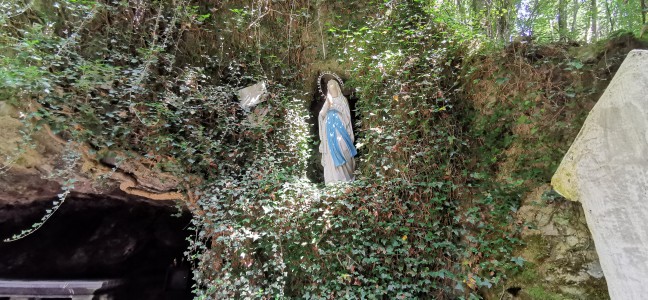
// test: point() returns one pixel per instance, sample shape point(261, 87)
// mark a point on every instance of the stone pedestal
point(44, 289)
point(606, 169)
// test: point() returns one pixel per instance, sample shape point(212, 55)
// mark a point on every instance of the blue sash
point(334, 126)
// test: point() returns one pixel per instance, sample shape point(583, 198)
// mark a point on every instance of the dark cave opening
point(138, 242)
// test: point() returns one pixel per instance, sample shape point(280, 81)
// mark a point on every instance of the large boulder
point(606, 169)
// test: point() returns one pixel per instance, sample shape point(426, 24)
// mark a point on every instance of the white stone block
point(252, 95)
point(606, 169)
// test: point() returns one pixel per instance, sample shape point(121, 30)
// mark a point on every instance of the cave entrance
point(138, 243)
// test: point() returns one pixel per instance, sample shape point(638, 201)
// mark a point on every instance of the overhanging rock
point(606, 169)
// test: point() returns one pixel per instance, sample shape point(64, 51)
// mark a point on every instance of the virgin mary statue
point(335, 132)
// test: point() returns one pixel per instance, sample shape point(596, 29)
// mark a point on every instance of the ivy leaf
point(502, 80)
point(459, 287)
point(518, 260)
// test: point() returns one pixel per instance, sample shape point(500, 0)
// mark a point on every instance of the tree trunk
point(477, 6)
point(480, 16)
point(461, 10)
point(575, 16)
point(562, 20)
point(533, 15)
point(594, 16)
point(589, 21)
point(503, 22)
point(608, 13)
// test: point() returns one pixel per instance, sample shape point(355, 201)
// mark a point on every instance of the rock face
point(33, 165)
point(606, 169)
point(561, 261)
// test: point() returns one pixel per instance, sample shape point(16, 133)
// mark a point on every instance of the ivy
point(429, 215)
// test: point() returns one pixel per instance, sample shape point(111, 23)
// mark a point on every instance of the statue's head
point(330, 83)
point(333, 88)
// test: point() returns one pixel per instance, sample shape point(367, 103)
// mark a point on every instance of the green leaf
point(502, 80)
point(518, 260)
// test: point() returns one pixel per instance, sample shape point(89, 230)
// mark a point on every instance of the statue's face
point(333, 88)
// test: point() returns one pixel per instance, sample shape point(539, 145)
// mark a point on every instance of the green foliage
point(431, 214)
point(540, 293)
point(415, 223)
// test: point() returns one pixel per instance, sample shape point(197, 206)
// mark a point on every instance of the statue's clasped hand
point(329, 100)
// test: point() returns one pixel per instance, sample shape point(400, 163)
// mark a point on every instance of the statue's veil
point(324, 78)
point(334, 87)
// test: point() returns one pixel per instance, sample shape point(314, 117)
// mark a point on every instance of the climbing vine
point(429, 215)
point(70, 159)
point(407, 228)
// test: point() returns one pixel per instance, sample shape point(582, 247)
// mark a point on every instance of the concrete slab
point(43, 289)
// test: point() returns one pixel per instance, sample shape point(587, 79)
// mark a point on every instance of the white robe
point(345, 171)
